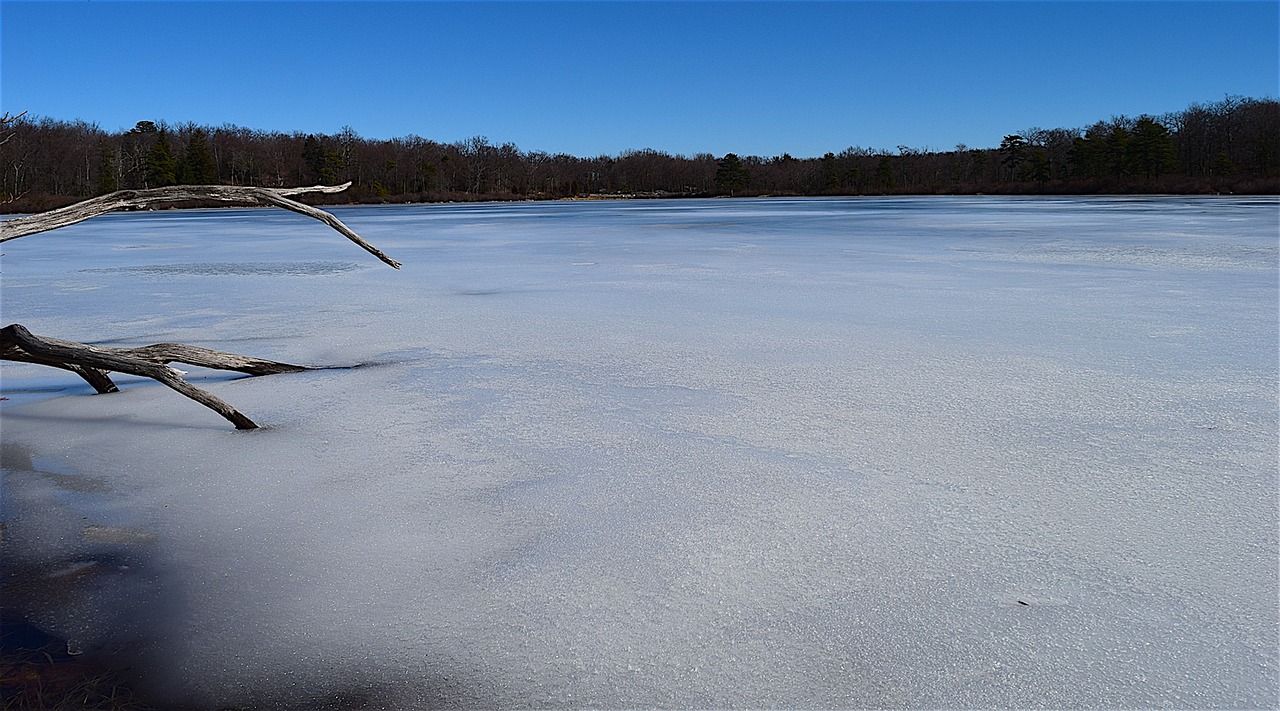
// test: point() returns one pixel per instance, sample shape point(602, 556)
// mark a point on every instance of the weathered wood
point(165, 353)
point(100, 381)
point(153, 197)
point(93, 362)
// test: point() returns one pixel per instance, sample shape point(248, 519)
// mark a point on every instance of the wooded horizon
point(1227, 146)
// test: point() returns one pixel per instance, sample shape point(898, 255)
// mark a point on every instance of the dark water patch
point(38, 672)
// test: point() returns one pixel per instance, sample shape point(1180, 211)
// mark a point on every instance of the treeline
point(1232, 145)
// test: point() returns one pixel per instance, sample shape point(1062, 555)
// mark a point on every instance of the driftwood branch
point(94, 362)
point(153, 197)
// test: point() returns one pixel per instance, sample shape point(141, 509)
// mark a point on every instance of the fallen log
point(94, 363)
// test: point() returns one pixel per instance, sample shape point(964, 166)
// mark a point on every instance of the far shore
point(1271, 187)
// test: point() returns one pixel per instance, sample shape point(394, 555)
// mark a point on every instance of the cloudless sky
point(590, 78)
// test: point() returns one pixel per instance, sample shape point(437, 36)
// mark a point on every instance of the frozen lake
point(845, 453)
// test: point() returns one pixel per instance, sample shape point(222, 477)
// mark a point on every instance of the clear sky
point(590, 78)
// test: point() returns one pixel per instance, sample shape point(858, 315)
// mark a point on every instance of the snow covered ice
point(836, 453)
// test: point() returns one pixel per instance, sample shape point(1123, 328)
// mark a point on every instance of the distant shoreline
point(1255, 187)
point(1230, 146)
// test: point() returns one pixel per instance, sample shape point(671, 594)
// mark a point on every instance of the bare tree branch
point(92, 363)
point(142, 199)
point(7, 119)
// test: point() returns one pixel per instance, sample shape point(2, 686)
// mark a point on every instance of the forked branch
point(94, 362)
point(154, 197)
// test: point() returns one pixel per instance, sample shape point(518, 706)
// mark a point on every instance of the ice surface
point(919, 452)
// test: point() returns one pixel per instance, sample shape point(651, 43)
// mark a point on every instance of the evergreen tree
point(197, 166)
point(1038, 166)
point(324, 164)
point(313, 156)
point(731, 174)
point(830, 173)
point(1089, 154)
point(979, 169)
point(107, 182)
point(162, 169)
point(1151, 150)
point(1014, 148)
point(1116, 150)
point(1082, 157)
point(884, 173)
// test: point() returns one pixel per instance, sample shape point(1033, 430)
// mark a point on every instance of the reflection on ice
point(750, 453)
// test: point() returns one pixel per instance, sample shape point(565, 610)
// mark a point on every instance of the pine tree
point(161, 167)
point(1151, 150)
point(197, 161)
point(107, 181)
point(731, 174)
point(324, 164)
point(1014, 148)
point(1037, 167)
point(1117, 151)
point(830, 173)
point(884, 173)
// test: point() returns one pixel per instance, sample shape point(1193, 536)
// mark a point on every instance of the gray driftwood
point(93, 363)
point(142, 199)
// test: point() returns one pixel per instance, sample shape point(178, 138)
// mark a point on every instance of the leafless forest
point(1232, 145)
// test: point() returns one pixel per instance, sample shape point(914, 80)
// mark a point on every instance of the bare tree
point(93, 363)
point(7, 120)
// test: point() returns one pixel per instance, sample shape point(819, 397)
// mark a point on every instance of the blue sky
point(590, 78)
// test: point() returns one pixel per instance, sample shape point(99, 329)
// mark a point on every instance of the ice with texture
point(836, 453)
